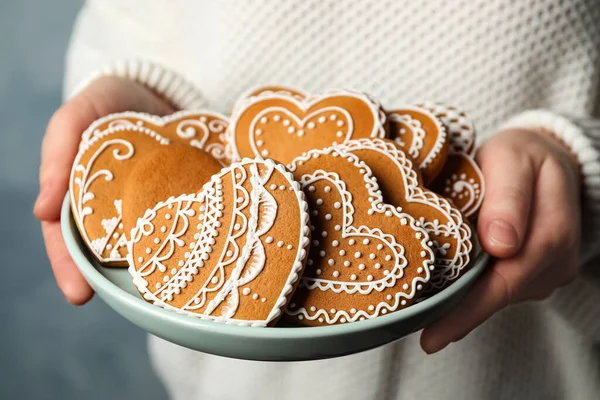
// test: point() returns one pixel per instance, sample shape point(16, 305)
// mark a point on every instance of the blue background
point(48, 348)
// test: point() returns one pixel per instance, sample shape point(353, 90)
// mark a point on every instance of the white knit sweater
point(494, 58)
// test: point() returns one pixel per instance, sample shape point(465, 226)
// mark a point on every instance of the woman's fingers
point(509, 178)
point(58, 151)
point(545, 261)
point(509, 173)
point(69, 279)
point(501, 284)
point(497, 288)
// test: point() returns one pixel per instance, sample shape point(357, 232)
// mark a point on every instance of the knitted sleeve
point(171, 86)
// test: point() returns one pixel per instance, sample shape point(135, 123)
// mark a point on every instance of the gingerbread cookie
point(402, 187)
point(202, 129)
point(367, 258)
point(232, 253)
point(96, 187)
point(459, 126)
point(162, 173)
point(281, 127)
point(461, 179)
point(420, 134)
point(298, 94)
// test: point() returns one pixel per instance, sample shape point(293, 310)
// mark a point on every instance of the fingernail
point(41, 199)
point(502, 233)
point(38, 201)
point(436, 347)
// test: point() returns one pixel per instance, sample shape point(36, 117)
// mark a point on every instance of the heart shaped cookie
point(401, 187)
point(420, 134)
point(96, 187)
point(281, 127)
point(202, 129)
point(232, 253)
point(366, 258)
point(162, 173)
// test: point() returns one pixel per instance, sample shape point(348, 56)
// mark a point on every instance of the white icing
point(415, 127)
point(459, 126)
point(379, 117)
point(349, 232)
point(462, 188)
point(244, 264)
point(419, 134)
point(263, 211)
point(83, 190)
point(448, 268)
point(194, 127)
point(300, 122)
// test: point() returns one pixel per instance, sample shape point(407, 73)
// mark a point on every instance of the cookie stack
point(322, 208)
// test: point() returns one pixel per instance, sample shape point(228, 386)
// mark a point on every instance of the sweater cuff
point(172, 87)
point(575, 137)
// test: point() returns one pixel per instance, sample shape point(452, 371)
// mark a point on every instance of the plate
point(114, 286)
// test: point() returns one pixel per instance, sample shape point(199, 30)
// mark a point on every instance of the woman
point(496, 59)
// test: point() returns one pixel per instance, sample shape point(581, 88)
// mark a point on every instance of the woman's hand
point(529, 221)
point(103, 96)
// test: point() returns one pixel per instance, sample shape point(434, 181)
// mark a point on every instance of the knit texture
point(172, 87)
point(497, 59)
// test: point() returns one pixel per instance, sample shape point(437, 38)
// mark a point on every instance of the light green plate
point(114, 286)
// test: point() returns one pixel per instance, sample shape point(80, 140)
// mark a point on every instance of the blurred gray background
point(48, 348)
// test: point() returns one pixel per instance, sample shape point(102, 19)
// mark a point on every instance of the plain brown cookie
point(162, 173)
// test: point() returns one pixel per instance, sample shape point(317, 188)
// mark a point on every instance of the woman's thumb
point(509, 178)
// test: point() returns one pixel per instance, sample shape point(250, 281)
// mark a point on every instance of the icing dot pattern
point(364, 263)
point(362, 260)
point(291, 126)
point(281, 127)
